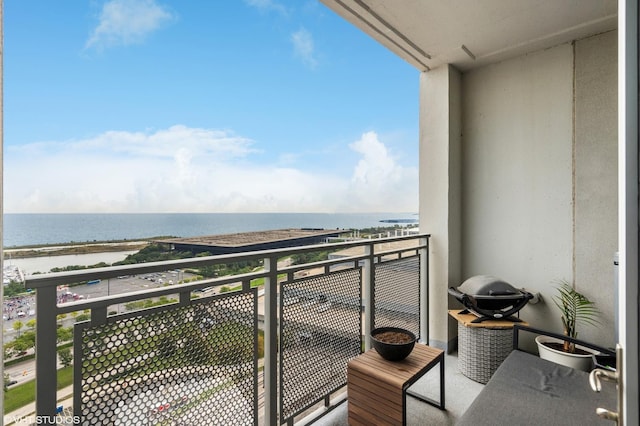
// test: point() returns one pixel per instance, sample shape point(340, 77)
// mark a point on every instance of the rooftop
point(244, 239)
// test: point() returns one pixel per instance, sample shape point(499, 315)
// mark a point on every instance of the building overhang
point(472, 33)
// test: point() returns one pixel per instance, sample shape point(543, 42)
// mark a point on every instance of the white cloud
point(162, 143)
point(304, 48)
point(182, 169)
point(125, 22)
point(378, 178)
point(376, 166)
point(267, 5)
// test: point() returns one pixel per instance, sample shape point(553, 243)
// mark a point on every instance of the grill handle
point(462, 297)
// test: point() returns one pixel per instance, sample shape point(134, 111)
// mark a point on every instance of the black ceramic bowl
point(392, 343)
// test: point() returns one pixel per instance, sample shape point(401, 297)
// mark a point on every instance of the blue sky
point(203, 106)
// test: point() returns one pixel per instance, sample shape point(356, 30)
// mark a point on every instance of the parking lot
point(128, 283)
point(23, 308)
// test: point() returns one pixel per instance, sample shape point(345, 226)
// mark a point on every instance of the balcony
point(459, 394)
point(199, 360)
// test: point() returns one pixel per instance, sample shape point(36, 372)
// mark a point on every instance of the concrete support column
point(440, 192)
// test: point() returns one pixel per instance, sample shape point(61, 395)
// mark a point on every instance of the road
point(24, 371)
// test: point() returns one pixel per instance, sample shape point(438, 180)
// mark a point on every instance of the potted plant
point(575, 309)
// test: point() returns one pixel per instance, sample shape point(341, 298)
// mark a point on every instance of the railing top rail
point(61, 278)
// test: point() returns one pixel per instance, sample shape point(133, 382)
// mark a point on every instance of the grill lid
point(487, 285)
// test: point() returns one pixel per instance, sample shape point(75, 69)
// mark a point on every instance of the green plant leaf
point(575, 308)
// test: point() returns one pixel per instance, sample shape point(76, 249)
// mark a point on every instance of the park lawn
point(258, 282)
point(21, 395)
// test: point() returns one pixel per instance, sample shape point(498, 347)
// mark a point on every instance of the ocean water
point(40, 229)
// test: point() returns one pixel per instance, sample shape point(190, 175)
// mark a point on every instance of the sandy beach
point(43, 259)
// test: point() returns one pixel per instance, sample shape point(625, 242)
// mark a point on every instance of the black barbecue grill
point(489, 297)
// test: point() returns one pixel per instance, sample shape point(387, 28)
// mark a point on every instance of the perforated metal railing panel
point(191, 365)
point(320, 331)
point(397, 294)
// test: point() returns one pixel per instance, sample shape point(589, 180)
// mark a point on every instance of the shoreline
point(44, 264)
point(73, 249)
point(68, 254)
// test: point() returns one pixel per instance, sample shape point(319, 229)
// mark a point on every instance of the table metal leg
point(438, 404)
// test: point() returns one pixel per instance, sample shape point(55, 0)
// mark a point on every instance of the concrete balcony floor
point(460, 391)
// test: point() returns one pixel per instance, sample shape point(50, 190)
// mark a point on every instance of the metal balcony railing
point(196, 361)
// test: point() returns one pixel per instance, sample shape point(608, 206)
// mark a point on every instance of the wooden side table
point(377, 389)
point(482, 346)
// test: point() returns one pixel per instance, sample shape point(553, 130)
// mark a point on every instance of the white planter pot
point(576, 361)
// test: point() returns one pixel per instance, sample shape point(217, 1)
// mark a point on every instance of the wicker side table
point(482, 346)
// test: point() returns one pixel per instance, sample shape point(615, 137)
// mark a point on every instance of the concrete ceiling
point(472, 33)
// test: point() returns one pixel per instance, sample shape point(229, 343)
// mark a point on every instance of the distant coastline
point(41, 230)
point(34, 259)
point(73, 249)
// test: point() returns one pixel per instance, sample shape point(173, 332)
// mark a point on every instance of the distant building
point(252, 241)
point(12, 273)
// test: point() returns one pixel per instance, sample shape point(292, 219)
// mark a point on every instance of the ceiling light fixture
point(468, 52)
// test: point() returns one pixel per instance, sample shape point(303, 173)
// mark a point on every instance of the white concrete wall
point(536, 177)
point(517, 172)
point(596, 176)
